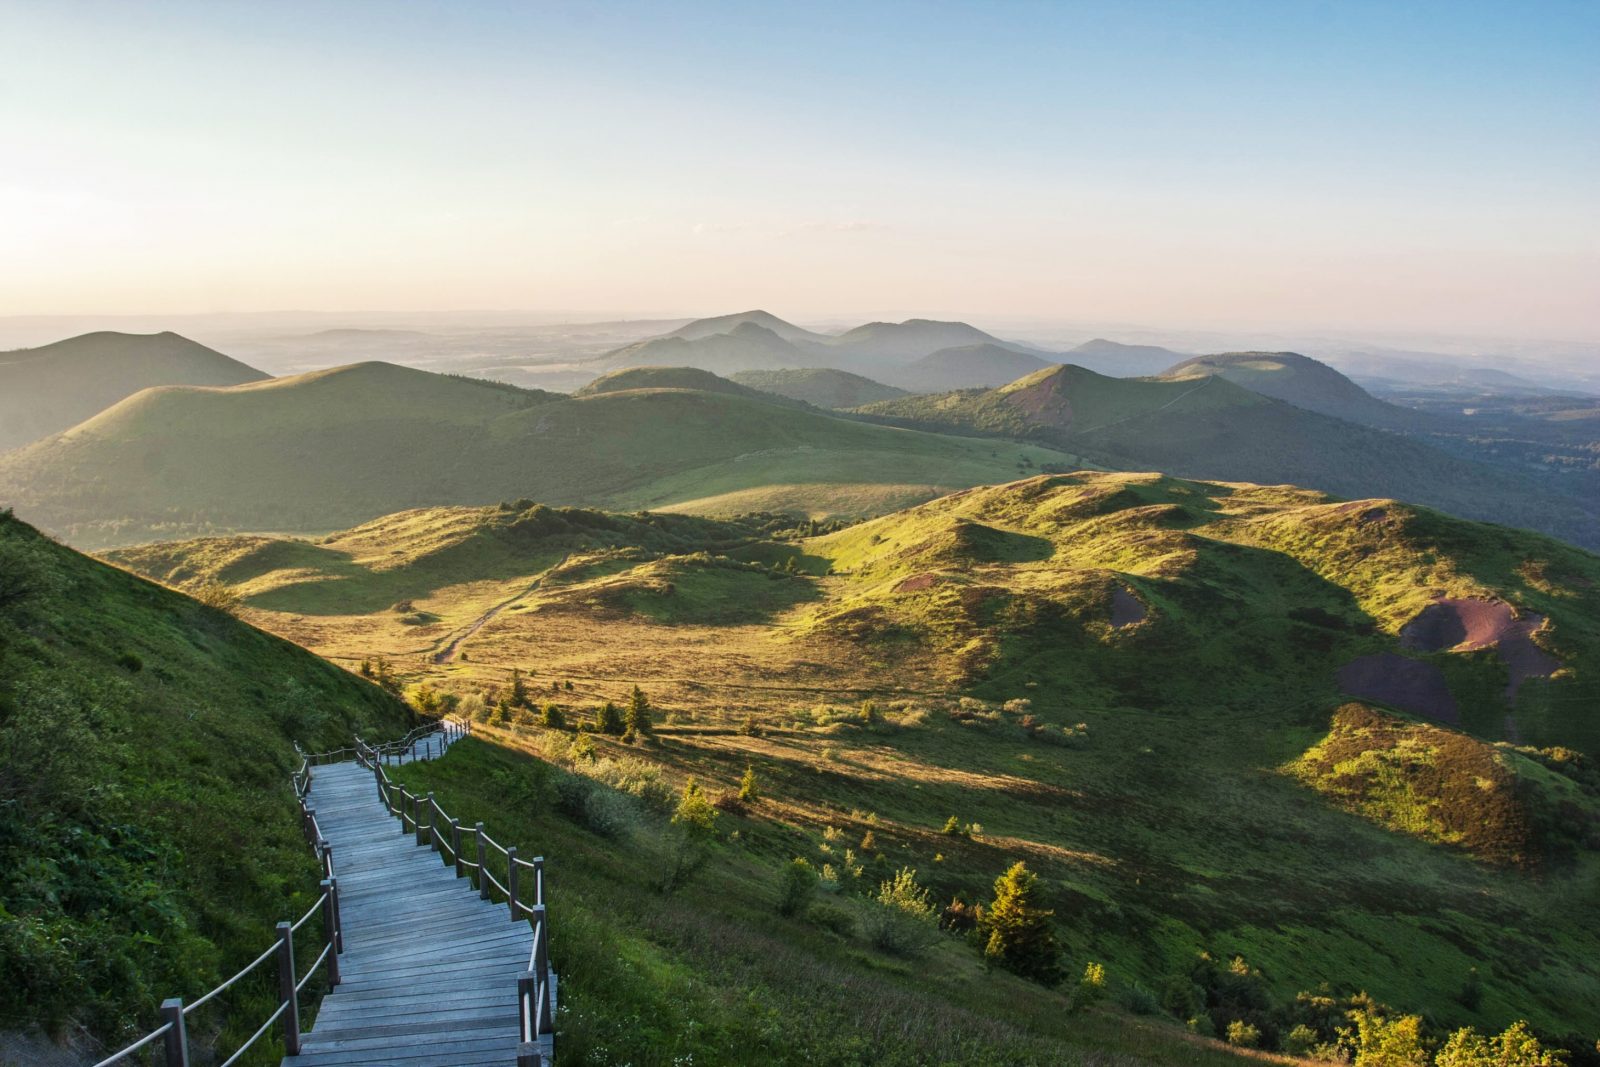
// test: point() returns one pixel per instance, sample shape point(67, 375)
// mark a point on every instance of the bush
point(899, 918)
point(797, 885)
point(608, 720)
point(1301, 1040)
point(1200, 1023)
point(832, 916)
point(1141, 1001)
point(1091, 988)
point(638, 717)
point(130, 662)
point(550, 717)
point(1243, 1034)
point(749, 793)
point(219, 596)
point(680, 855)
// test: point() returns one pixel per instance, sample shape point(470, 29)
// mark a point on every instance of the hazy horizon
point(1240, 166)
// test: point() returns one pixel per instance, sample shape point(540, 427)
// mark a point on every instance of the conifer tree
point(608, 720)
point(1020, 938)
point(748, 791)
point(638, 718)
point(519, 689)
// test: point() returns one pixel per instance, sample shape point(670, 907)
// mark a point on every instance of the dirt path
point(447, 654)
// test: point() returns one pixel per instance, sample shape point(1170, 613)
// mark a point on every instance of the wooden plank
point(429, 969)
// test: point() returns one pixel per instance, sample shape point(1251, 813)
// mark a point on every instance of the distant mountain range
point(1303, 382)
point(48, 389)
point(822, 387)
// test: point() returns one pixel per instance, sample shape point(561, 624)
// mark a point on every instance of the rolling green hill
point(619, 381)
point(821, 387)
point(144, 740)
point(328, 449)
point(1135, 684)
point(966, 367)
point(747, 346)
point(1210, 427)
point(48, 389)
point(1303, 382)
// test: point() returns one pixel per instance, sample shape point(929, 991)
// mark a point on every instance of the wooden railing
point(433, 826)
point(173, 1033)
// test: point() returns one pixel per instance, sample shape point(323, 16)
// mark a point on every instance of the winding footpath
point(429, 970)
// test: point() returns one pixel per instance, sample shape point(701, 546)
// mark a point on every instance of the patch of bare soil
point(1126, 609)
point(1412, 685)
point(1470, 624)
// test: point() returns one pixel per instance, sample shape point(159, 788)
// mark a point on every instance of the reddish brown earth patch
point(1409, 684)
point(1126, 609)
point(917, 583)
point(1046, 400)
point(1470, 624)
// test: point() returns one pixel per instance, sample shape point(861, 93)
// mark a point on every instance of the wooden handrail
point(534, 1010)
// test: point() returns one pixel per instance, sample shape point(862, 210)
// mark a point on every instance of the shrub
point(681, 854)
point(551, 718)
point(608, 720)
point(474, 707)
point(750, 728)
point(1516, 1046)
point(1385, 1041)
point(1301, 1040)
point(1200, 1023)
point(219, 596)
point(797, 885)
point(748, 791)
point(1091, 988)
point(130, 662)
point(1180, 997)
point(832, 916)
point(609, 813)
point(1017, 932)
point(1243, 1034)
point(635, 777)
point(952, 827)
point(1141, 1001)
point(899, 918)
point(519, 689)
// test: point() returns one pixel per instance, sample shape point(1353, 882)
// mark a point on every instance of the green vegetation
point(821, 387)
point(1212, 831)
point(148, 840)
point(1210, 427)
point(1301, 381)
point(332, 448)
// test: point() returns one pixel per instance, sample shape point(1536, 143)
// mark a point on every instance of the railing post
point(541, 967)
point(307, 817)
point(405, 794)
point(176, 1041)
point(338, 916)
point(483, 872)
point(424, 804)
point(511, 881)
point(286, 993)
point(455, 847)
point(330, 929)
point(527, 1011)
point(528, 1055)
point(538, 880)
point(327, 860)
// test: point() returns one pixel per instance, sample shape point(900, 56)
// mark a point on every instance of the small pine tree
point(608, 720)
point(569, 685)
point(695, 812)
point(366, 668)
point(952, 827)
point(639, 711)
point(519, 689)
point(550, 717)
point(748, 791)
point(502, 713)
point(1019, 934)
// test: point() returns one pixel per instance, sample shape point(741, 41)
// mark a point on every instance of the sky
point(1349, 165)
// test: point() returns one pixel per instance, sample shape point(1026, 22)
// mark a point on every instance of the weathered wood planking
point(429, 970)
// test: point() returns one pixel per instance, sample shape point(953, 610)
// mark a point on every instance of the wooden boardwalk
point(429, 970)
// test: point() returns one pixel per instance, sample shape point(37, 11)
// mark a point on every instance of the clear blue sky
point(1426, 165)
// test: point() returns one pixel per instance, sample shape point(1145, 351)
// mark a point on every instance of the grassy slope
point(1213, 428)
point(144, 739)
point(329, 449)
point(51, 388)
point(1301, 381)
point(822, 386)
point(1176, 821)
